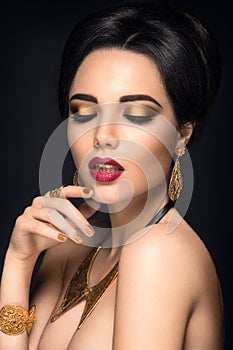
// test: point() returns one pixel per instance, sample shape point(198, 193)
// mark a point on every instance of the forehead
point(115, 72)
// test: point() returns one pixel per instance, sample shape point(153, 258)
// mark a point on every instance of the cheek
point(163, 156)
point(147, 162)
point(152, 166)
point(157, 153)
point(79, 149)
point(79, 143)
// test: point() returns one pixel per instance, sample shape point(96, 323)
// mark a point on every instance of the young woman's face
point(121, 128)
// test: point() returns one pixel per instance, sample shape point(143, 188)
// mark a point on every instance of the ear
point(185, 133)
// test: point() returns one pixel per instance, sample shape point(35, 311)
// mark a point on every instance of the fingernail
point(89, 230)
point(87, 190)
point(61, 237)
point(77, 238)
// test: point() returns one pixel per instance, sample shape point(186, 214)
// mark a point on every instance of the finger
point(58, 221)
point(47, 231)
point(38, 202)
point(69, 191)
point(77, 191)
point(67, 209)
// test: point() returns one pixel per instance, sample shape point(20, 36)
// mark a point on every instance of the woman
point(135, 82)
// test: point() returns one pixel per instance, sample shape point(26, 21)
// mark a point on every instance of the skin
point(118, 80)
point(168, 297)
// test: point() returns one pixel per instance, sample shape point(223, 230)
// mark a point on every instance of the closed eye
point(139, 119)
point(82, 118)
point(138, 114)
point(83, 114)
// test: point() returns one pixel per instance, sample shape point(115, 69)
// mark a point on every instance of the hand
point(50, 221)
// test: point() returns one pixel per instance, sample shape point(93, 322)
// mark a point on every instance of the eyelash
point(139, 120)
point(84, 118)
point(132, 118)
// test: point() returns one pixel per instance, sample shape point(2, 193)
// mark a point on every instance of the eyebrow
point(141, 97)
point(126, 98)
point(84, 97)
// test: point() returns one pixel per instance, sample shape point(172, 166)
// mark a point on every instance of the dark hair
point(183, 49)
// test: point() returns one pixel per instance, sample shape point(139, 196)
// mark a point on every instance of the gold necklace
point(78, 288)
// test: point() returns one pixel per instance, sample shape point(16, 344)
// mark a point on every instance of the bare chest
point(95, 333)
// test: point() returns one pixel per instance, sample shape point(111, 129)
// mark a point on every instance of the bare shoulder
point(168, 279)
point(173, 249)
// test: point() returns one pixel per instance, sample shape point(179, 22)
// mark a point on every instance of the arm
point(45, 224)
point(15, 286)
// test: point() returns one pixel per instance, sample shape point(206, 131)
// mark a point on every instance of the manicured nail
point(87, 190)
point(89, 230)
point(61, 237)
point(77, 238)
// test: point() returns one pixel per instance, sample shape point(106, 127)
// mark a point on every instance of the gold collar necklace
point(78, 288)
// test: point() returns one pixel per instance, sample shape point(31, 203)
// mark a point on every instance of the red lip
point(96, 164)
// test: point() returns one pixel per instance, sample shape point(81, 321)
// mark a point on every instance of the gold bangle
point(14, 319)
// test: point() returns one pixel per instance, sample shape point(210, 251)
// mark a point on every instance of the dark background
point(32, 35)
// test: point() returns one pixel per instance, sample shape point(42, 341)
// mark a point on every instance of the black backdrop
point(32, 35)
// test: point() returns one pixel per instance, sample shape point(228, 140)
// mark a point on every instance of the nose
point(105, 137)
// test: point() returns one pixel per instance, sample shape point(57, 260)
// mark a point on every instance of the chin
point(118, 194)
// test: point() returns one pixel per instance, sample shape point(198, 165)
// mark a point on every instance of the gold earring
point(176, 183)
point(75, 178)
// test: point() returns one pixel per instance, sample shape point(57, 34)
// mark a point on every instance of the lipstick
point(105, 169)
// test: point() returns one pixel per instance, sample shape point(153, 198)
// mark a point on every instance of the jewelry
point(176, 183)
point(56, 192)
point(78, 288)
point(14, 319)
point(75, 178)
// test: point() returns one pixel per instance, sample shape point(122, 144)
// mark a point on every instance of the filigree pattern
point(175, 185)
point(78, 289)
point(14, 319)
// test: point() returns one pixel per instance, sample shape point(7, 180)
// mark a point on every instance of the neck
point(131, 221)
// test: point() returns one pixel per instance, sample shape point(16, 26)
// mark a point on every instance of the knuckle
point(27, 211)
point(63, 204)
point(37, 200)
point(50, 213)
point(25, 224)
point(19, 221)
point(33, 226)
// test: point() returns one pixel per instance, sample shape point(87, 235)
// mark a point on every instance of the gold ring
point(56, 192)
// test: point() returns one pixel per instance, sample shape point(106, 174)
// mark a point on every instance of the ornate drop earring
point(175, 185)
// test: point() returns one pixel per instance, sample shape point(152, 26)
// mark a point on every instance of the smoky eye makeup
point(139, 114)
point(132, 112)
point(82, 114)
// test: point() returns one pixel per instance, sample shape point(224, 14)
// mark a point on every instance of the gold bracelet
point(14, 319)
